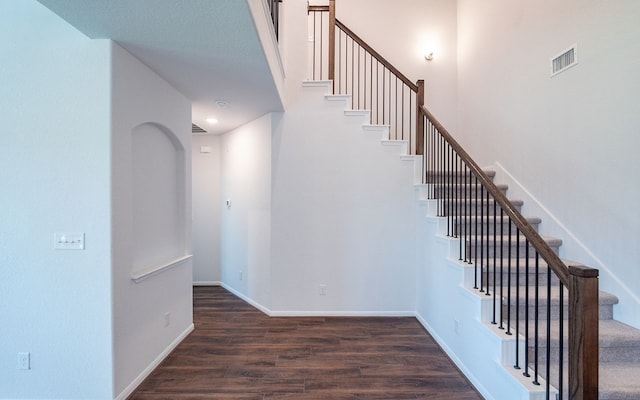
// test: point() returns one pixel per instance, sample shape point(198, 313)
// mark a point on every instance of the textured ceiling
point(208, 49)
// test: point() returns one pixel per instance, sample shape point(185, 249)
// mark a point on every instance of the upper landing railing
point(274, 10)
point(549, 308)
point(373, 82)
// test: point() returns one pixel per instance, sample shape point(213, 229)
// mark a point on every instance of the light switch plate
point(68, 240)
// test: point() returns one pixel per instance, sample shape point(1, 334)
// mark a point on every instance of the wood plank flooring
point(237, 352)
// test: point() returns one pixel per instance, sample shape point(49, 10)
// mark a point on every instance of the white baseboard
point(247, 299)
point(343, 314)
point(308, 313)
point(443, 345)
point(147, 371)
point(207, 283)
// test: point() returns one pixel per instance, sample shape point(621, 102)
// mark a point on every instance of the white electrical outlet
point(241, 275)
point(24, 360)
point(456, 326)
point(323, 290)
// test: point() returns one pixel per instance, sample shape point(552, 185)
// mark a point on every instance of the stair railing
point(356, 69)
point(274, 11)
point(492, 234)
point(503, 247)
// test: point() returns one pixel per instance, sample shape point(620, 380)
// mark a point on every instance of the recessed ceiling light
point(212, 121)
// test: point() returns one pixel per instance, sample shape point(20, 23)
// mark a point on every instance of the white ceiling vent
point(564, 60)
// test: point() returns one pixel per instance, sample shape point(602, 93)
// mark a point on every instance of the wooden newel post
point(419, 118)
point(332, 41)
point(583, 333)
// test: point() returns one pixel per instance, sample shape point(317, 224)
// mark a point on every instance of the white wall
point(342, 215)
point(142, 99)
point(246, 227)
point(402, 32)
point(314, 237)
point(206, 209)
point(570, 140)
point(54, 176)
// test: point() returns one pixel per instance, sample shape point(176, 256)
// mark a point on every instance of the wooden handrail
point(377, 55)
point(520, 222)
point(311, 8)
point(582, 282)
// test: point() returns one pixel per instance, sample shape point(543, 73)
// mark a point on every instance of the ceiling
point(207, 49)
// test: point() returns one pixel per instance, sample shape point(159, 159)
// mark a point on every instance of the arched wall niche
point(158, 191)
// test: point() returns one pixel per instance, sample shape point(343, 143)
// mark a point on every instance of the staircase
point(619, 356)
point(619, 343)
point(475, 252)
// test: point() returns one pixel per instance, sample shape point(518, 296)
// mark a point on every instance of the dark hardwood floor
point(237, 352)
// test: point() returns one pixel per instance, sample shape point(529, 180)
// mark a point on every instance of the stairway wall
point(342, 215)
point(570, 140)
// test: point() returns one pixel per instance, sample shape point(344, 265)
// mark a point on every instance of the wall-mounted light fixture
point(428, 56)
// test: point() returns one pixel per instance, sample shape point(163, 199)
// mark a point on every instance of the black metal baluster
point(467, 205)
point(321, 45)
point(458, 205)
point(537, 318)
point(449, 188)
point(517, 322)
point(561, 344)
point(458, 212)
point(488, 276)
point(371, 85)
point(526, 309)
point(377, 92)
point(442, 172)
point(384, 95)
point(402, 108)
point(454, 192)
point(426, 157)
point(495, 265)
point(509, 279)
point(432, 156)
point(389, 104)
point(358, 85)
point(481, 259)
point(352, 73)
point(364, 83)
point(315, 46)
point(501, 266)
point(391, 100)
point(338, 62)
point(443, 194)
point(475, 235)
point(548, 371)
